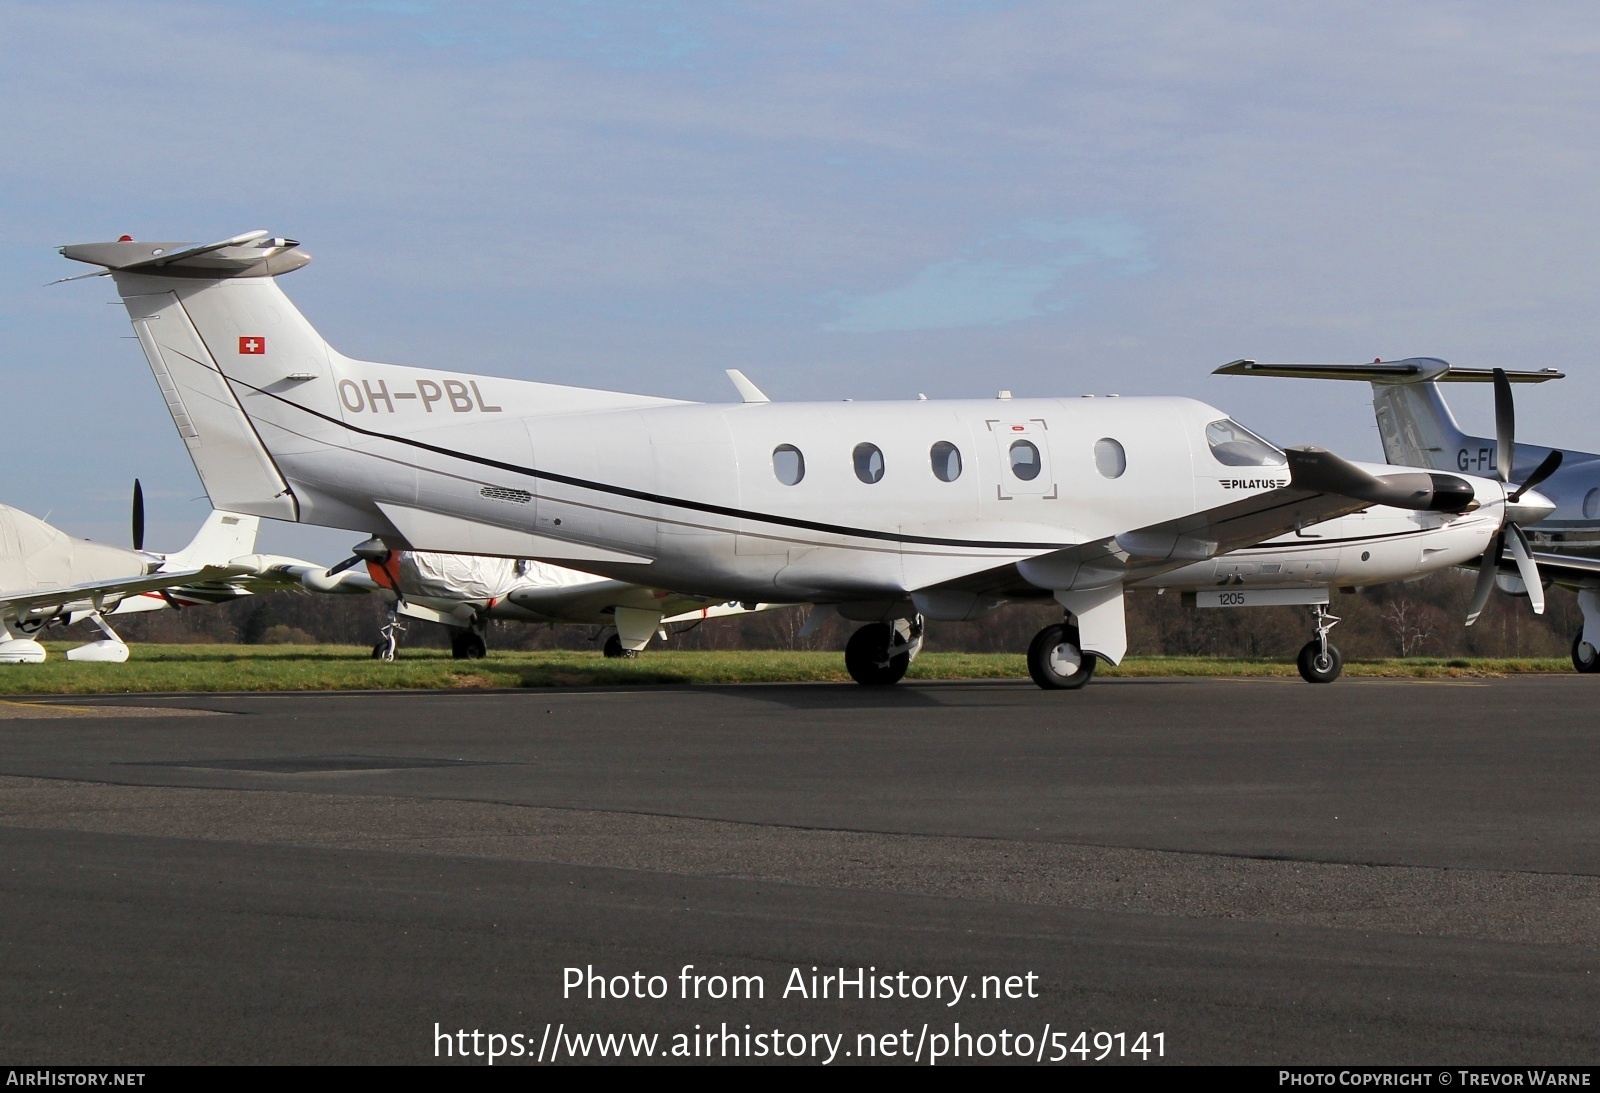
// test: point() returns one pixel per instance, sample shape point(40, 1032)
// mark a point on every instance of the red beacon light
point(124, 239)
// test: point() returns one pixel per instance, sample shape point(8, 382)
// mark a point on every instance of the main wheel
point(467, 645)
point(868, 656)
point(1584, 656)
point(384, 650)
point(1316, 668)
point(1056, 661)
point(613, 649)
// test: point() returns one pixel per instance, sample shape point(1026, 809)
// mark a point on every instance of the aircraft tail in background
point(223, 537)
point(1415, 424)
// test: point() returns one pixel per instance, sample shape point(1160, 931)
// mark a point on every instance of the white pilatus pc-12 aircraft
point(1418, 430)
point(887, 512)
point(48, 578)
point(465, 592)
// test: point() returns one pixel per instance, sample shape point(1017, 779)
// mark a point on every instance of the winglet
point(748, 391)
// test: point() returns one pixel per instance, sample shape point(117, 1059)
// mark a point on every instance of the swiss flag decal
point(254, 346)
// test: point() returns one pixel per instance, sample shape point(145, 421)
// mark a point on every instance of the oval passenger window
point(946, 461)
point(869, 462)
point(1025, 462)
point(1109, 458)
point(788, 464)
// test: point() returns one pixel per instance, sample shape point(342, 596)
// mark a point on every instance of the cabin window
point(1236, 446)
point(946, 461)
point(1025, 461)
point(788, 464)
point(1591, 504)
point(1109, 458)
point(869, 462)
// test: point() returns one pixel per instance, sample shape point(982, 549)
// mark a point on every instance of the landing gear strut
point(1056, 660)
point(878, 654)
point(388, 638)
point(1319, 661)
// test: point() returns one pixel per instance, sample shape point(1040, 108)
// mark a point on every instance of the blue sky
point(844, 200)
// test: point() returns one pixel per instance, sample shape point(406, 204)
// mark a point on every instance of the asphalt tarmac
point(1199, 871)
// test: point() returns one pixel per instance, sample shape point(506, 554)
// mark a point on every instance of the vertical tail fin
point(1417, 428)
point(223, 537)
point(222, 339)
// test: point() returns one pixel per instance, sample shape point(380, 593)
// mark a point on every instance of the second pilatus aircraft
point(889, 513)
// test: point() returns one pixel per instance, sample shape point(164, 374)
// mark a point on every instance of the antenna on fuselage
point(748, 391)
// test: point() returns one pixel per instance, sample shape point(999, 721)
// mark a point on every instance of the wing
point(96, 593)
point(1322, 486)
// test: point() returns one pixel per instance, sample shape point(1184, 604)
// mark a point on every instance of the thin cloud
point(1035, 268)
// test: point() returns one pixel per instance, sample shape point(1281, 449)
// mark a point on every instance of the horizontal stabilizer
point(253, 254)
point(1410, 370)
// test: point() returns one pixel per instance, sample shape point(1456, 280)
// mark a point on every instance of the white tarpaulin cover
point(471, 577)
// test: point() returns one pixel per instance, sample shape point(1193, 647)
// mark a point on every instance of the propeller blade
point(1488, 566)
point(1551, 464)
point(1505, 425)
point(1526, 567)
point(353, 560)
point(138, 515)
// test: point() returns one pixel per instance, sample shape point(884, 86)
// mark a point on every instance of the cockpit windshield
point(1236, 446)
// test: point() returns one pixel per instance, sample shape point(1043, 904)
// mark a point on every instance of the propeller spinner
point(1523, 505)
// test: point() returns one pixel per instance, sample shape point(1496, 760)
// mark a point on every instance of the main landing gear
point(467, 644)
point(1056, 660)
point(1319, 661)
point(878, 654)
point(613, 649)
point(1585, 658)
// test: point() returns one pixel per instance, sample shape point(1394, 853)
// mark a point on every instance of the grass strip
point(154, 668)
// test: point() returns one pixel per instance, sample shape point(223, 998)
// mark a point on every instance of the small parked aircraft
point(888, 513)
point(48, 578)
point(466, 592)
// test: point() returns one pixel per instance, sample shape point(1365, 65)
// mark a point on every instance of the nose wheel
point(1319, 661)
point(1056, 661)
point(388, 639)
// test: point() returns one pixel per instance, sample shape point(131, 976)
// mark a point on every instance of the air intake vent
point(502, 493)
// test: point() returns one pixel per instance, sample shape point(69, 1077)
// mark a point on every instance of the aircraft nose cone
point(1530, 508)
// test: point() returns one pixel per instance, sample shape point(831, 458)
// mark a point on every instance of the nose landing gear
point(1319, 661)
point(388, 638)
